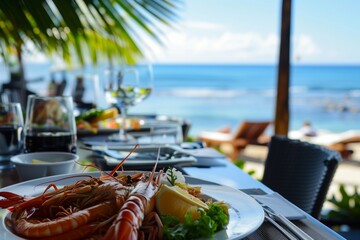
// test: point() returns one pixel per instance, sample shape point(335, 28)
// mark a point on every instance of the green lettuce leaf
point(209, 222)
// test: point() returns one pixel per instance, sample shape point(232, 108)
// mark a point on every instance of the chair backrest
point(251, 130)
point(301, 172)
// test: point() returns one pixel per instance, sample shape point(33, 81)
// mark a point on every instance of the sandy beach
point(347, 173)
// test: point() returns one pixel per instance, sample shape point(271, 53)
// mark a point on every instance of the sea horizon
point(212, 96)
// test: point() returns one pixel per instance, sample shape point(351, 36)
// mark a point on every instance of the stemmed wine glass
point(125, 87)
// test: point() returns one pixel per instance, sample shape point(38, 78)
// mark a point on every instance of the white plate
point(246, 215)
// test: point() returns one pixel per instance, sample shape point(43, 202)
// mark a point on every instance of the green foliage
point(90, 114)
point(80, 30)
point(205, 226)
point(251, 172)
point(171, 177)
point(190, 139)
point(347, 206)
point(218, 212)
point(241, 164)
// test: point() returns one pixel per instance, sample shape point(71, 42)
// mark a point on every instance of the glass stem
point(122, 129)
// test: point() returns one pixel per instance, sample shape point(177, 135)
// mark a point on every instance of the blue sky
point(247, 31)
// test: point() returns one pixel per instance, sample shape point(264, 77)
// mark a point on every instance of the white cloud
point(305, 47)
point(204, 42)
point(207, 42)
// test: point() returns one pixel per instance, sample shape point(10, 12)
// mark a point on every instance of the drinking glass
point(50, 124)
point(11, 138)
point(145, 77)
point(126, 87)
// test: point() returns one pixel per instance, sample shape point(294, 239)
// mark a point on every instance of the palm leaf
point(78, 30)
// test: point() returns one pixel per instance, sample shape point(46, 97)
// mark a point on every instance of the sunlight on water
point(215, 96)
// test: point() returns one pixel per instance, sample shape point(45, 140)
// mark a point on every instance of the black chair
point(301, 172)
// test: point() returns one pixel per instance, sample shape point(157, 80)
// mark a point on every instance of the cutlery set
point(285, 226)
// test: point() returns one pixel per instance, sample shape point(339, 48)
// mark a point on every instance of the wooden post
point(22, 82)
point(281, 124)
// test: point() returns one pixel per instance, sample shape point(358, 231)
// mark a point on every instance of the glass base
point(6, 164)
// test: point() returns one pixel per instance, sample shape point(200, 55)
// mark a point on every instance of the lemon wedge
point(172, 200)
point(35, 161)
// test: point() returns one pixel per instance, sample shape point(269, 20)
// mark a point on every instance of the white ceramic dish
point(246, 215)
point(42, 164)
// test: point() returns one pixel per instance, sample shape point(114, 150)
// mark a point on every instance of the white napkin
point(280, 205)
point(203, 153)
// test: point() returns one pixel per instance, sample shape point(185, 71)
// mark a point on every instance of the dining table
point(231, 175)
point(220, 171)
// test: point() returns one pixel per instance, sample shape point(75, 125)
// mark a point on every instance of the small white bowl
point(42, 164)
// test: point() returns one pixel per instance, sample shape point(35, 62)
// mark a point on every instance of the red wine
point(50, 141)
point(10, 140)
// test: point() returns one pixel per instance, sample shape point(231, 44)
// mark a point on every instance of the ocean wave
point(268, 92)
point(212, 92)
point(321, 91)
point(332, 88)
point(201, 93)
point(225, 93)
point(299, 89)
point(354, 93)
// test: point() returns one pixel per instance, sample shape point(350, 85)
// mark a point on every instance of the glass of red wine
point(50, 124)
point(11, 137)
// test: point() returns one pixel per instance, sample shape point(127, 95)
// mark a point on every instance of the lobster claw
point(9, 199)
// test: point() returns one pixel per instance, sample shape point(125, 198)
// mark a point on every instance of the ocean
point(214, 96)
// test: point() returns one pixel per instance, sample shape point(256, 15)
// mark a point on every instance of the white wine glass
point(125, 87)
point(146, 79)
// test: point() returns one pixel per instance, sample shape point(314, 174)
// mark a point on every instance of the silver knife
point(287, 223)
point(279, 227)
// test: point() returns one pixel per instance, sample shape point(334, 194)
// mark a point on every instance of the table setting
point(226, 183)
point(247, 217)
point(49, 157)
point(146, 131)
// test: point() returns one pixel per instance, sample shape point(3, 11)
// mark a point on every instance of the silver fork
point(287, 223)
point(279, 227)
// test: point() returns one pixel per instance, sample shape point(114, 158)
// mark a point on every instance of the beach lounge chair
point(300, 171)
point(247, 133)
point(342, 146)
point(334, 141)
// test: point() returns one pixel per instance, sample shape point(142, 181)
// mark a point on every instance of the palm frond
point(78, 30)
